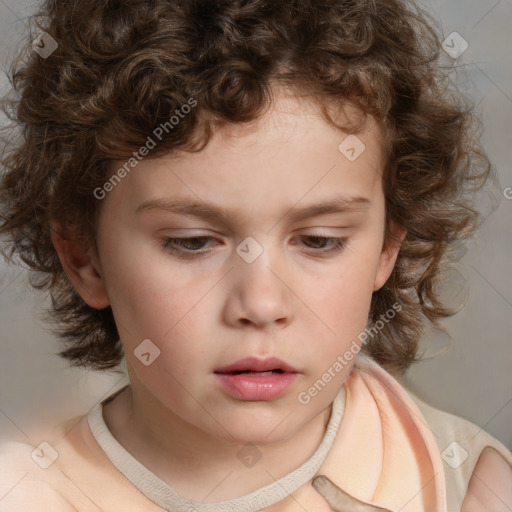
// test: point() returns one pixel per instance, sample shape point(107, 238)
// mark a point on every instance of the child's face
point(205, 306)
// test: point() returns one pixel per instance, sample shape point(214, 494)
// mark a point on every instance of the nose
point(259, 293)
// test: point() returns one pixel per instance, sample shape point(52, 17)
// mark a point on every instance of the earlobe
point(81, 267)
point(389, 255)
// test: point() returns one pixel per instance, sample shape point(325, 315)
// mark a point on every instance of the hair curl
point(123, 67)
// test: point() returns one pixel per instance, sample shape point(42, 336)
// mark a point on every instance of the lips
point(254, 365)
point(253, 379)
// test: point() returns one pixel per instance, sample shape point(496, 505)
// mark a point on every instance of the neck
point(196, 464)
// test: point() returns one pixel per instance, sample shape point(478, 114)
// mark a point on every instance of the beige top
point(460, 441)
point(404, 456)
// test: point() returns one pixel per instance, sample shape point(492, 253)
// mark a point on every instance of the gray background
point(471, 379)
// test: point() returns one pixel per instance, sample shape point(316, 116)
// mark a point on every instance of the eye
point(195, 246)
point(335, 244)
point(186, 246)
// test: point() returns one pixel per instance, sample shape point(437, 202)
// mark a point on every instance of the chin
point(260, 433)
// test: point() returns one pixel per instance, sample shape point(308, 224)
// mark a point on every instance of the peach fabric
point(394, 459)
point(384, 454)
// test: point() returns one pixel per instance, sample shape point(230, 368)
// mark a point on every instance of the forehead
point(289, 154)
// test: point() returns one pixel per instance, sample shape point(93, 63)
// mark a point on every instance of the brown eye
point(336, 244)
point(186, 247)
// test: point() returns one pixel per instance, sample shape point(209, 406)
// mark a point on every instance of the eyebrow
point(336, 205)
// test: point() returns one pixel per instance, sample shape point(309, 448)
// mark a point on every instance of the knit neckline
point(167, 498)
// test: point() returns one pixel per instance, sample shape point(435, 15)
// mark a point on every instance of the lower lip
point(255, 387)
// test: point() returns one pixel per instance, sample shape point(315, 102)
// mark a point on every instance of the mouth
point(250, 372)
point(254, 366)
point(254, 379)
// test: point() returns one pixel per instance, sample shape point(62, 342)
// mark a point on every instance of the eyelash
point(167, 244)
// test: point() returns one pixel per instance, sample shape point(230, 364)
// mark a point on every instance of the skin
point(490, 486)
point(296, 301)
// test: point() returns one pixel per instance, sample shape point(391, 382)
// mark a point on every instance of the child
point(251, 201)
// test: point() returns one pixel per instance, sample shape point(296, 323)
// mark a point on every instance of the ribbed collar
point(164, 496)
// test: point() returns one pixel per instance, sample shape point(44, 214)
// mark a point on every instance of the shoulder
point(24, 487)
point(490, 487)
point(459, 434)
point(478, 467)
point(68, 473)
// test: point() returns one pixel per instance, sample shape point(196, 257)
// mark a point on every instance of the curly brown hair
point(123, 67)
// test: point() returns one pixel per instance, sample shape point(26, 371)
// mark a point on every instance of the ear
point(389, 255)
point(81, 265)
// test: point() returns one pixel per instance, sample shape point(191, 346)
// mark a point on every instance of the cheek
point(148, 299)
point(347, 294)
point(159, 303)
point(344, 318)
point(157, 306)
point(166, 314)
point(343, 308)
